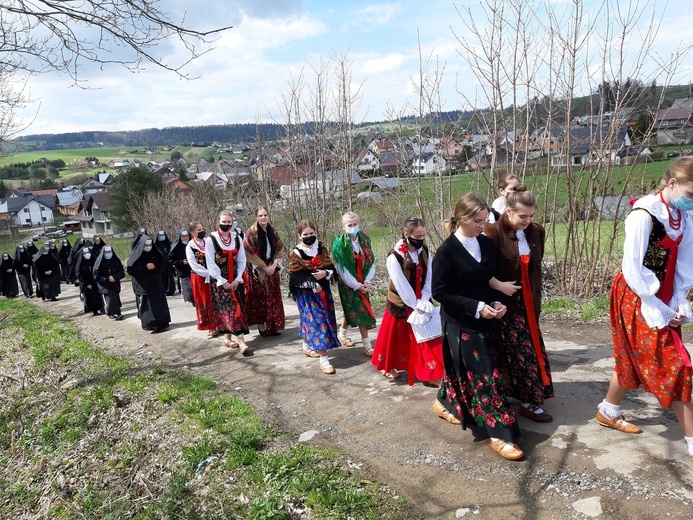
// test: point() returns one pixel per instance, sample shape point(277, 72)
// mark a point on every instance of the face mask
point(683, 203)
point(44, 252)
point(147, 249)
point(201, 234)
point(416, 242)
point(30, 243)
point(352, 230)
point(5, 257)
point(52, 246)
point(235, 224)
point(224, 227)
point(309, 241)
point(87, 256)
point(184, 240)
point(97, 240)
point(21, 249)
point(141, 231)
point(160, 238)
point(108, 256)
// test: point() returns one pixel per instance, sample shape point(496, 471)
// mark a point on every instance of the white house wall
point(34, 214)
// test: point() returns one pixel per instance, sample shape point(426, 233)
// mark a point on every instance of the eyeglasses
point(480, 223)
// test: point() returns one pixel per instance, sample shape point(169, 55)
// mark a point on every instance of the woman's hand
point(151, 266)
point(508, 288)
point(500, 310)
point(319, 274)
point(488, 312)
point(318, 289)
point(676, 321)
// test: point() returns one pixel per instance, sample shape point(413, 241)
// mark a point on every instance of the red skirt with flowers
point(203, 303)
point(645, 356)
point(396, 347)
point(264, 302)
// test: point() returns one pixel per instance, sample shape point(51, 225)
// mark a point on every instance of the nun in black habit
point(140, 233)
point(163, 244)
point(64, 256)
point(145, 266)
point(108, 272)
point(32, 250)
point(179, 261)
point(84, 267)
point(8, 276)
point(75, 254)
point(47, 268)
point(98, 246)
point(22, 265)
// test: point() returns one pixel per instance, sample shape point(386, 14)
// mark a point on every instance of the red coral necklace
point(675, 223)
point(225, 241)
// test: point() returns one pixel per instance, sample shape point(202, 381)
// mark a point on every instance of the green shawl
point(343, 253)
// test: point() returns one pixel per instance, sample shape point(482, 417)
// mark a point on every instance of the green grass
point(584, 309)
point(84, 434)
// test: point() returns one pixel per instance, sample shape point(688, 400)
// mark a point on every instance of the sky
point(254, 65)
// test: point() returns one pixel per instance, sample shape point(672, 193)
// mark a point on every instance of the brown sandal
point(392, 374)
point(228, 342)
point(443, 413)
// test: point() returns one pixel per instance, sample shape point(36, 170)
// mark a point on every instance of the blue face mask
point(352, 230)
point(161, 238)
point(108, 256)
point(682, 203)
point(147, 248)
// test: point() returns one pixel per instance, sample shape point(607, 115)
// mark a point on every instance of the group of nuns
point(32, 266)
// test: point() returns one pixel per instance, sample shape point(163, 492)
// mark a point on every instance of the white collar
point(309, 250)
point(654, 205)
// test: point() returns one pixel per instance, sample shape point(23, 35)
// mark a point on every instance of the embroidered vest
point(394, 303)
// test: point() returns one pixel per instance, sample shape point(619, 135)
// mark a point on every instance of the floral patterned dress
point(317, 322)
point(355, 268)
point(647, 351)
point(199, 281)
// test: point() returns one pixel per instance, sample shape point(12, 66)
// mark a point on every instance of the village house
point(95, 217)
point(27, 210)
point(674, 126)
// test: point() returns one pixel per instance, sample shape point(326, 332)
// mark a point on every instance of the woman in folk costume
point(177, 258)
point(47, 267)
point(8, 276)
point(163, 244)
point(87, 285)
point(108, 272)
point(264, 251)
point(199, 279)
point(648, 303)
point(352, 255)
point(145, 264)
point(64, 255)
point(22, 265)
point(310, 271)
point(409, 290)
point(225, 257)
point(472, 391)
point(516, 339)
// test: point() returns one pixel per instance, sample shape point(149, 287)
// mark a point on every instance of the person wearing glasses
point(472, 392)
point(516, 339)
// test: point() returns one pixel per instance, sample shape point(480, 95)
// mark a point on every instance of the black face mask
point(309, 241)
point(224, 227)
point(416, 242)
point(201, 234)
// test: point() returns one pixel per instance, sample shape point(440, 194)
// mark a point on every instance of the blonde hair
point(225, 213)
point(505, 178)
point(681, 170)
point(467, 207)
point(260, 208)
point(193, 226)
point(521, 197)
point(349, 214)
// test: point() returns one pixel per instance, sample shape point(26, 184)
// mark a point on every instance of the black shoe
point(54, 299)
point(118, 317)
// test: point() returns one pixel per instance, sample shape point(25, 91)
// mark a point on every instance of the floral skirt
point(396, 347)
point(264, 302)
point(355, 310)
point(516, 357)
point(228, 309)
point(472, 387)
point(317, 322)
point(645, 356)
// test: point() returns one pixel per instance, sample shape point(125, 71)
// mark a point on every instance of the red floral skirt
point(264, 302)
point(396, 347)
point(203, 303)
point(645, 356)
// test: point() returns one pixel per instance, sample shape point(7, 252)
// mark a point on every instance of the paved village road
point(573, 467)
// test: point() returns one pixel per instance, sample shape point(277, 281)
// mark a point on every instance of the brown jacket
point(394, 302)
point(504, 237)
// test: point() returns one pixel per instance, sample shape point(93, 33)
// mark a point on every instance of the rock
point(306, 436)
point(462, 512)
point(591, 507)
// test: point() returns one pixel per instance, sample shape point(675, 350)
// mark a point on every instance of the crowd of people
point(480, 347)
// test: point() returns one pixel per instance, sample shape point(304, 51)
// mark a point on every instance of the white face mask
point(87, 256)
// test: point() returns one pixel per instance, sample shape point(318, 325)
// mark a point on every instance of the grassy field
point(84, 434)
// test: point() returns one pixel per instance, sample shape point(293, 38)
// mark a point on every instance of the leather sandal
point(368, 352)
point(327, 368)
point(443, 413)
point(244, 348)
point(392, 374)
point(619, 424)
point(346, 342)
point(212, 333)
point(503, 449)
point(530, 412)
point(310, 353)
point(228, 342)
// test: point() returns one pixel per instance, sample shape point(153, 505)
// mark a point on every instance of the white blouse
point(642, 280)
point(347, 277)
point(522, 244)
point(239, 257)
point(192, 261)
point(405, 291)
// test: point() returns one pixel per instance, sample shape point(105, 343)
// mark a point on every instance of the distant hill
point(186, 135)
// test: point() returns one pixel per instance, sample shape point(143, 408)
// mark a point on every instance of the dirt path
point(573, 468)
